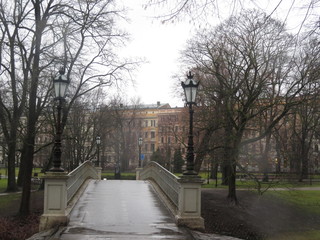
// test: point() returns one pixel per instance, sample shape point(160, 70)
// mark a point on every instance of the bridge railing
point(182, 195)
point(60, 193)
point(167, 181)
point(78, 176)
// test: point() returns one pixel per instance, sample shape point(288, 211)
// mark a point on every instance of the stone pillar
point(99, 170)
point(55, 200)
point(189, 209)
point(138, 170)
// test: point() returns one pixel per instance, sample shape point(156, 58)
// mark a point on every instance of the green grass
point(3, 185)
point(8, 199)
point(4, 172)
point(124, 175)
point(251, 184)
point(306, 200)
point(308, 235)
point(4, 181)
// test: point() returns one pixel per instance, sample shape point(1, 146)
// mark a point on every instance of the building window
point(153, 134)
point(146, 147)
point(146, 135)
point(169, 139)
point(153, 123)
point(162, 140)
point(152, 147)
point(146, 123)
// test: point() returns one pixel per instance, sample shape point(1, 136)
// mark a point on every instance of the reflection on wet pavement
point(119, 209)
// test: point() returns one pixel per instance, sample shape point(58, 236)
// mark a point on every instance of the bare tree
point(238, 63)
point(13, 93)
point(305, 117)
point(201, 11)
point(38, 38)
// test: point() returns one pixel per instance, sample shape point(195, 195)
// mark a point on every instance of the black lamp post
point(140, 144)
point(98, 141)
point(190, 88)
point(60, 83)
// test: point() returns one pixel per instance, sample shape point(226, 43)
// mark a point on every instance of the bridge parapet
point(167, 181)
point(79, 175)
point(182, 195)
point(61, 191)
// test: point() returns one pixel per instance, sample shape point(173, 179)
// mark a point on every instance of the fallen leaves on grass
point(18, 228)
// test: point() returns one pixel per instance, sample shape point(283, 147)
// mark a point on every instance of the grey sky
point(160, 44)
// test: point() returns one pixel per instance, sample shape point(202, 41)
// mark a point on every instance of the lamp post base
point(190, 172)
point(55, 169)
point(138, 170)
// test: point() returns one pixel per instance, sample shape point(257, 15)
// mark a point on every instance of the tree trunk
point(265, 158)
point(214, 170)
point(232, 196)
point(11, 186)
point(231, 160)
point(32, 114)
point(304, 162)
point(22, 169)
point(12, 145)
point(278, 162)
point(28, 158)
point(202, 150)
point(28, 149)
point(226, 171)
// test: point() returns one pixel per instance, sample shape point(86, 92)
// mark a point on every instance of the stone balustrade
point(182, 195)
point(61, 192)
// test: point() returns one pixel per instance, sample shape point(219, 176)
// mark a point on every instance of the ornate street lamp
point(60, 83)
point(140, 141)
point(98, 141)
point(190, 88)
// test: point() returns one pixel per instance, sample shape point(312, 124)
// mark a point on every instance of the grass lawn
point(3, 181)
point(7, 201)
point(306, 200)
point(4, 172)
point(124, 175)
point(251, 184)
point(308, 235)
point(3, 185)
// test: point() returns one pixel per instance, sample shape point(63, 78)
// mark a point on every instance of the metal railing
point(167, 181)
point(78, 176)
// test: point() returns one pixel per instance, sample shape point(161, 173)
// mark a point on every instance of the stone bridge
point(89, 207)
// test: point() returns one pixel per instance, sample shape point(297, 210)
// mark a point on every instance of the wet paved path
point(116, 209)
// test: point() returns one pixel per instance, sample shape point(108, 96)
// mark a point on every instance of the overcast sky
point(160, 44)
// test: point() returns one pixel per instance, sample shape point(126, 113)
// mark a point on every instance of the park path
point(119, 209)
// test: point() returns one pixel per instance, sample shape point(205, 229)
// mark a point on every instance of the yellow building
point(158, 125)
